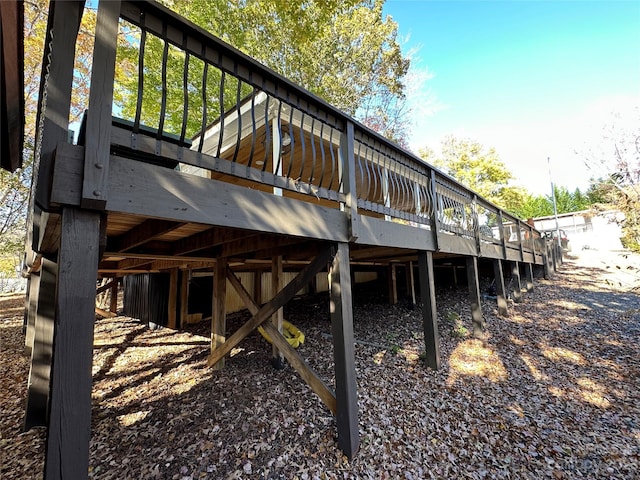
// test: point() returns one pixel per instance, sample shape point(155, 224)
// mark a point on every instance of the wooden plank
point(140, 234)
point(104, 313)
point(184, 297)
point(392, 284)
point(411, 283)
point(546, 263)
point(378, 232)
point(67, 452)
point(31, 309)
point(172, 307)
point(98, 137)
point(38, 389)
point(12, 91)
point(257, 286)
point(474, 297)
point(207, 239)
point(113, 304)
point(286, 294)
point(293, 357)
point(500, 290)
point(429, 309)
point(347, 172)
point(517, 283)
point(491, 250)
point(457, 245)
point(219, 309)
point(528, 271)
point(142, 189)
point(106, 286)
point(343, 352)
point(277, 281)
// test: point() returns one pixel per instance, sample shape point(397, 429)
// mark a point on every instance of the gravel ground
point(552, 392)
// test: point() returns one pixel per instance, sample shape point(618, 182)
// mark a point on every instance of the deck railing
point(197, 102)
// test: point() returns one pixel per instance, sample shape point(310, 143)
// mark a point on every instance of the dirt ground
point(552, 392)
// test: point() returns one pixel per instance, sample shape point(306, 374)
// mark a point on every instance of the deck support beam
point(517, 283)
point(343, 352)
point(69, 432)
point(500, 290)
point(474, 297)
point(41, 345)
point(429, 309)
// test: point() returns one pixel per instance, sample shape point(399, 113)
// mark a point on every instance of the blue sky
point(530, 78)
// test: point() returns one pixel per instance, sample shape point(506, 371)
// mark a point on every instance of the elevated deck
point(249, 173)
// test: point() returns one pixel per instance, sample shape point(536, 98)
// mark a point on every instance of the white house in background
point(587, 228)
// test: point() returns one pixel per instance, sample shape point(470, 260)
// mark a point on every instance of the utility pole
point(555, 208)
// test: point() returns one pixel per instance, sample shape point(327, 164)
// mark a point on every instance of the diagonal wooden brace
point(268, 309)
point(295, 360)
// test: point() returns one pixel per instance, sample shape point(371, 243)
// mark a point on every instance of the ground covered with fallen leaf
point(552, 392)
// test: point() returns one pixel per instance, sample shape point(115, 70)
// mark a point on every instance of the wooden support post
point(474, 296)
point(219, 310)
point(113, 301)
point(257, 287)
point(500, 290)
point(393, 284)
point(295, 360)
point(528, 272)
point(434, 211)
point(343, 353)
point(67, 453)
point(38, 389)
point(172, 307)
point(546, 263)
point(517, 283)
point(31, 312)
point(184, 297)
point(278, 317)
point(429, 310)
point(411, 284)
point(268, 309)
point(98, 140)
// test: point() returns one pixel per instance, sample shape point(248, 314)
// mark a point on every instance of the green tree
point(477, 167)
point(530, 206)
point(343, 51)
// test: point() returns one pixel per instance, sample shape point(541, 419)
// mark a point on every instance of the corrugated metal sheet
point(146, 297)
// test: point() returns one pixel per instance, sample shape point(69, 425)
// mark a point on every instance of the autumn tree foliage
point(15, 188)
point(481, 169)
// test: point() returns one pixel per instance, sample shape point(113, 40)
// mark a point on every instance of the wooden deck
point(270, 179)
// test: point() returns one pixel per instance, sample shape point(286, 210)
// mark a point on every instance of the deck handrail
point(235, 117)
